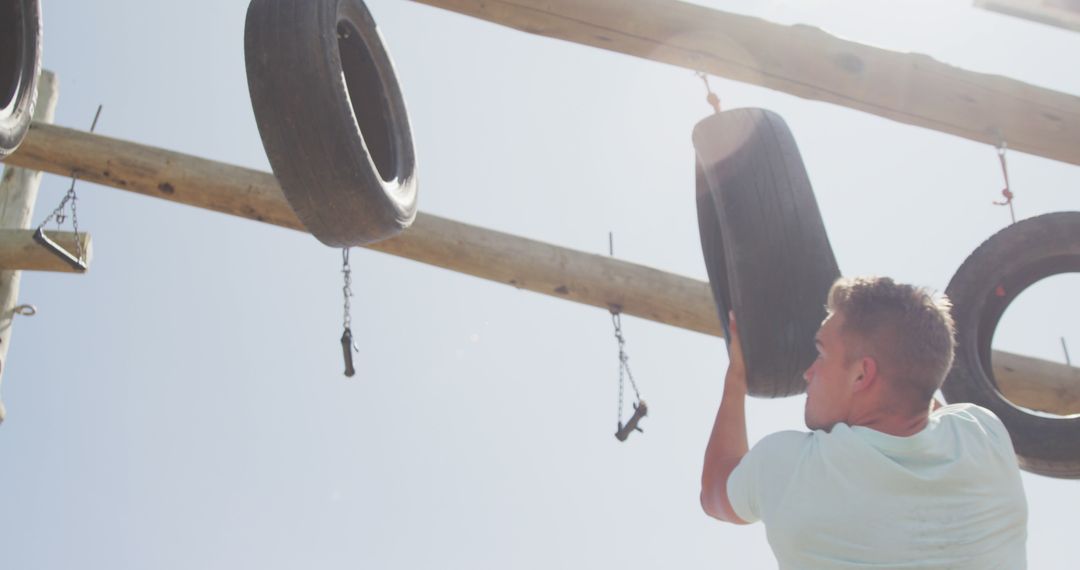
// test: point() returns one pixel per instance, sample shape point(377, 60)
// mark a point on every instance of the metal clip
point(77, 263)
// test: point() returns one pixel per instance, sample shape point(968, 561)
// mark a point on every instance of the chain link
point(60, 217)
point(348, 347)
point(624, 360)
point(347, 288)
point(624, 363)
point(75, 223)
point(58, 213)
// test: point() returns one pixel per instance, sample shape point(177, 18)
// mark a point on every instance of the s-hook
point(1006, 192)
point(711, 98)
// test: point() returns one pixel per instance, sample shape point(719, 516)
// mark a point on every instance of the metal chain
point(624, 364)
point(347, 288)
point(75, 223)
point(58, 213)
point(348, 347)
point(60, 216)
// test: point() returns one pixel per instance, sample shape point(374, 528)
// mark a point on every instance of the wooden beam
point(1057, 390)
point(595, 280)
point(19, 251)
point(807, 62)
point(586, 278)
point(1060, 13)
point(18, 193)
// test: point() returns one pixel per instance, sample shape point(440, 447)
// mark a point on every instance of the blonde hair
point(908, 331)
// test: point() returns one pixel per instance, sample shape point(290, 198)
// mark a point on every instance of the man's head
point(883, 350)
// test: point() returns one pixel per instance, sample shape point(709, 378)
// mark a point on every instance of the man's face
point(830, 379)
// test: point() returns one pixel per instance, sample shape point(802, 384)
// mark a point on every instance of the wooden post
point(807, 62)
point(18, 193)
point(591, 279)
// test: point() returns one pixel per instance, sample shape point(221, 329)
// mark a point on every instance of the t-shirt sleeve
point(974, 417)
point(991, 425)
point(762, 475)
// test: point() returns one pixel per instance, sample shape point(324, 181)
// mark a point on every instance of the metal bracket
point(78, 264)
point(640, 410)
point(347, 348)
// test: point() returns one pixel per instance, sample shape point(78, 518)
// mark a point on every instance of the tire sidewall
point(769, 244)
point(985, 284)
point(309, 128)
point(15, 121)
point(401, 188)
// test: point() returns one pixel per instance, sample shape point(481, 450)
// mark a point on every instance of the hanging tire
point(20, 63)
point(331, 117)
point(764, 242)
point(984, 286)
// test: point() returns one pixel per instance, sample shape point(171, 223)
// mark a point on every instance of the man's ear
point(868, 373)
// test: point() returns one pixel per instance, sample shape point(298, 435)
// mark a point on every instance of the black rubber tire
point(984, 286)
point(20, 64)
point(764, 242)
point(332, 118)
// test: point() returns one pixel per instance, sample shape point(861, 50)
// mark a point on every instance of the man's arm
point(727, 444)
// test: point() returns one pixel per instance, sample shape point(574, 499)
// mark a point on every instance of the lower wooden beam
point(564, 273)
point(1037, 384)
point(19, 251)
point(595, 280)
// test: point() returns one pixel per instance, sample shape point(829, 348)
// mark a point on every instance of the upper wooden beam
point(591, 279)
point(1061, 14)
point(807, 62)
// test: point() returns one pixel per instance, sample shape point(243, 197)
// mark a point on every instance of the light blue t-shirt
point(949, 496)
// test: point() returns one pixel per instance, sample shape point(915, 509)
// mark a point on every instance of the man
point(880, 481)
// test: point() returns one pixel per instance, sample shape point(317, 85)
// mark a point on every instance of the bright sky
point(182, 405)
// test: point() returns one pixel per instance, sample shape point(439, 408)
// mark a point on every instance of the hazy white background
point(182, 405)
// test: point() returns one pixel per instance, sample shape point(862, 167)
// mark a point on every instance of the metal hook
point(25, 310)
point(712, 98)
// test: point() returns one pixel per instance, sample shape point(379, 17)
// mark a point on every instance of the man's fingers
point(736, 342)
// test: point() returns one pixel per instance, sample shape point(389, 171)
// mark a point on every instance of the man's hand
point(736, 374)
